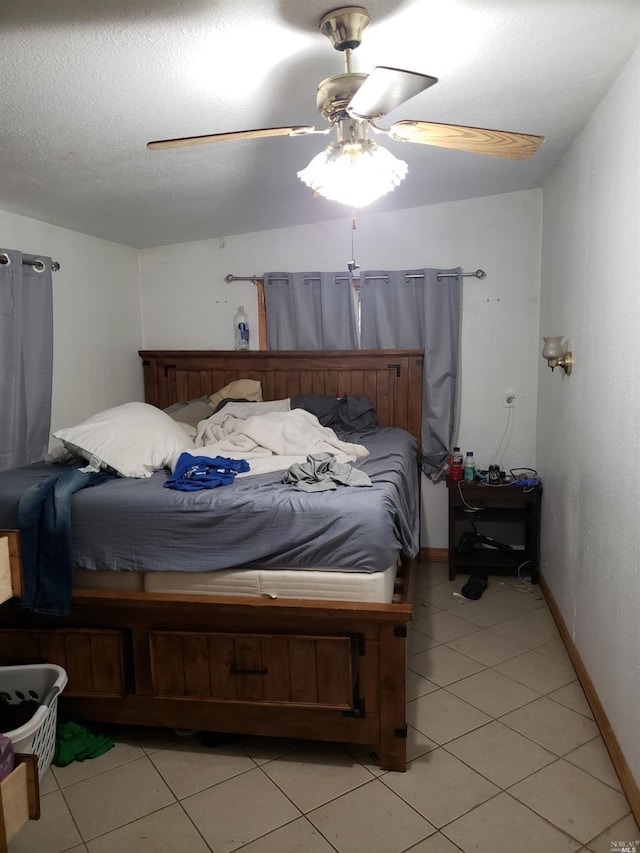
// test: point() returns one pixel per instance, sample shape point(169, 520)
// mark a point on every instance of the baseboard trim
point(629, 785)
point(434, 555)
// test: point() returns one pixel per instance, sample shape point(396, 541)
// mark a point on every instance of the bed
point(267, 657)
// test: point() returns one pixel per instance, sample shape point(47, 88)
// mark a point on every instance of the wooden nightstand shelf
point(487, 507)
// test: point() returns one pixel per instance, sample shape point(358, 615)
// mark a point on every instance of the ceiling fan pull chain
point(353, 266)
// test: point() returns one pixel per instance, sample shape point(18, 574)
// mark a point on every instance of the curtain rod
point(477, 274)
point(38, 265)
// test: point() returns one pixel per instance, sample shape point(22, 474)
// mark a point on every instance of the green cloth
point(75, 743)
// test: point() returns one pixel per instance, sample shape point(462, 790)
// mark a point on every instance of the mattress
point(315, 584)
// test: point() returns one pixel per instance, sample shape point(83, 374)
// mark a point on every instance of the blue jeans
point(44, 522)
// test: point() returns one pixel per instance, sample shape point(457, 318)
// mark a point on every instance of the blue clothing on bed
point(204, 472)
point(44, 522)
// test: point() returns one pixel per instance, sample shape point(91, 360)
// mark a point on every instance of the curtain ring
point(38, 266)
point(5, 260)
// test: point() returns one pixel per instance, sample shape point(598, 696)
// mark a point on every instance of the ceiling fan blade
point(261, 133)
point(385, 89)
point(477, 140)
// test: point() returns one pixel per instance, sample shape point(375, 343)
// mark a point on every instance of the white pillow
point(134, 439)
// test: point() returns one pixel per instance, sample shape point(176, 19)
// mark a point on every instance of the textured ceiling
point(87, 83)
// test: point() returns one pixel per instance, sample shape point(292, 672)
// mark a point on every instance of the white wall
point(589, 423)
point(96, 315)
point(187, 304)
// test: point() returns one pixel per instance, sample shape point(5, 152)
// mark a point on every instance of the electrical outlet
point(509, 400)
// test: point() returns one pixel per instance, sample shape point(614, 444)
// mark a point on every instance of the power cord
point(508, 429)
point(515, 476)
point(528, 483)
point(526, 584)
point(469, 506)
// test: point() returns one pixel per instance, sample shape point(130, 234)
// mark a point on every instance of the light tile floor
point(504, 756)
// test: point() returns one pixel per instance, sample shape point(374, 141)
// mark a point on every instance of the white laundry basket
point(42, 682)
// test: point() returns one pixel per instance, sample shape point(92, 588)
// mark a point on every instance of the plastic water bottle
point(469, 467)
point(455, 465)
point(241, 329)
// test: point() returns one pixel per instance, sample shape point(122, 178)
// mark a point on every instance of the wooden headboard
point(392, 379)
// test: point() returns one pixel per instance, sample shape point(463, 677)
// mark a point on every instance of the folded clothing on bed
point(321, 472)
point(204, 472)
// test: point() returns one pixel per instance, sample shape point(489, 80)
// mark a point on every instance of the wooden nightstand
point(487, 507)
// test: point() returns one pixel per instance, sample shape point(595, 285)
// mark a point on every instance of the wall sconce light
point(556, 355)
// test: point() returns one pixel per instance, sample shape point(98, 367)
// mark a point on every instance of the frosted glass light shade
point(355, 174)
point(552, 347)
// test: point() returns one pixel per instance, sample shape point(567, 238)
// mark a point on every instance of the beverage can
point(493, 474)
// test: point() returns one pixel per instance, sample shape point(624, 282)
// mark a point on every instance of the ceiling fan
point(352, 104)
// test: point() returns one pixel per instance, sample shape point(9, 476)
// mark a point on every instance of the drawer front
point(19, 798)
point(92, 658)
point(285, 669)
point(10, 567)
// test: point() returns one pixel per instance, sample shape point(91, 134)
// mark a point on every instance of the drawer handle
point(238, 670)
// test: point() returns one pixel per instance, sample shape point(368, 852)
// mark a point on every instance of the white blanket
point(269, 442)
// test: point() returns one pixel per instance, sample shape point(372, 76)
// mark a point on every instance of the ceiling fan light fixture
point(354, 173)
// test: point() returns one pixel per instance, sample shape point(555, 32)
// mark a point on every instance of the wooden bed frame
point(321, 670)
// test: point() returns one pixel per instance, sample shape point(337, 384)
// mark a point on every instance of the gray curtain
point(26, 357)
point(310, 311)
point(412, 308)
